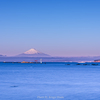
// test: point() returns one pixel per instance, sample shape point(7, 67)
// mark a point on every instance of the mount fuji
point(33, 53)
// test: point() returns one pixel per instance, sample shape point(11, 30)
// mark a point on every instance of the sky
point(55, 27)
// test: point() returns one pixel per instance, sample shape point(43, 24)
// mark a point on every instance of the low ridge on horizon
point(1, 55)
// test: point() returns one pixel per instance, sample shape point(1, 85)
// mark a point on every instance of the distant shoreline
point(65, 63)
point(49, 59)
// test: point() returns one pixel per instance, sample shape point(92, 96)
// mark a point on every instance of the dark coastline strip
point(20, 62)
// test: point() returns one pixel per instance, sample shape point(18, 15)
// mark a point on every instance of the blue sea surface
point(50, 81)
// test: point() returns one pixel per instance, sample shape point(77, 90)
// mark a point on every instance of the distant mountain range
point(33, 53)
point(26, 56)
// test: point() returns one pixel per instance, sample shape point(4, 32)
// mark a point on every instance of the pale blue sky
point(55, 27)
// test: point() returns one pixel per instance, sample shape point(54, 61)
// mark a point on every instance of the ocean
point(50, 81)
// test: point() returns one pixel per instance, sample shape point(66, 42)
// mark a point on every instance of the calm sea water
point(52, 81)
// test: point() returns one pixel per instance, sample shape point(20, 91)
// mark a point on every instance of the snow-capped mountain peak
point(32, 51)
